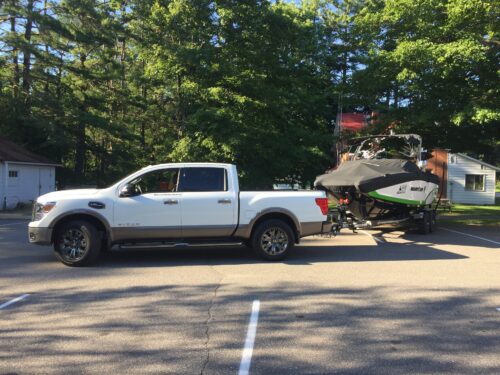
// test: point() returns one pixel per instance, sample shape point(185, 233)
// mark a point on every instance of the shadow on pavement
point(14, 250)
point(302, 329)
point(303, 255)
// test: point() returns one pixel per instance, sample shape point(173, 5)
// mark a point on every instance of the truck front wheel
point(77, 243)
point(273, 239)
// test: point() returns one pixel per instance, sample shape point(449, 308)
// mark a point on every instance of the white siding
point(31, 182)
point(2, 184)
point(456, 181)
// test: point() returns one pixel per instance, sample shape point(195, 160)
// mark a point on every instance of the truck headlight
point(42, 209)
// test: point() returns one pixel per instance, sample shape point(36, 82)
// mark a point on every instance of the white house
point(23, 175)
point(467, 180)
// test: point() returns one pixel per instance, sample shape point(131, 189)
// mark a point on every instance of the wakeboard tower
point(380, 182)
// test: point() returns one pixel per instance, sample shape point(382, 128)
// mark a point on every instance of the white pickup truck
point(169, 205)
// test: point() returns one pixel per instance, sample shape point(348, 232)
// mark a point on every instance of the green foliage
point(435, 65)
point(110, 86)
point(242, 86)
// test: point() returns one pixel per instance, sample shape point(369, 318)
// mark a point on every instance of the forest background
point(109, 86)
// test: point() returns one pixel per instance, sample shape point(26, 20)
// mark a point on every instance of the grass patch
point(484, 222)
point(466, 214)
point(468, 209)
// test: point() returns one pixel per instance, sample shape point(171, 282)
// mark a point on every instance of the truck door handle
point(224, 201)
point(171, 201)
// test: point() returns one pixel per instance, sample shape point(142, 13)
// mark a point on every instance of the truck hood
point(65, 194)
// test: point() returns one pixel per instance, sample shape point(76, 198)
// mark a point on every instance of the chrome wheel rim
point(73, 245)
point(274, 241)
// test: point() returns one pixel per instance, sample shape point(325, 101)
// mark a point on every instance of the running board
point(176, 244)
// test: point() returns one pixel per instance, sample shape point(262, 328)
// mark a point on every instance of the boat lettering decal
point(402, 189)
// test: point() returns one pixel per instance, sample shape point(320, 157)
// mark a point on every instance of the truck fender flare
point(82, 211)
point(245, 230)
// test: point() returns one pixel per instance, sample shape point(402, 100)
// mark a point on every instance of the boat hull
point(412, 193)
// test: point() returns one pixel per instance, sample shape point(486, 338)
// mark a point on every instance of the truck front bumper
point(40, 235)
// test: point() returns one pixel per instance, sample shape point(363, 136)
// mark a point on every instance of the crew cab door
point(209, 204)
point(154, 210)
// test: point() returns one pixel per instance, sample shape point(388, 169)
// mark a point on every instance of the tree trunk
point(27, 53)
point(123, 79)
point(143, 123)
point(59, 77)
point(343, 72)
point(80, 147)
point(15, 59)
point(47, 70)
point(122, 63)
point(180, 110)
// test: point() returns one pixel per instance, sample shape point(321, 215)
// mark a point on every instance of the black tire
point(424, 224)
point(433, 225)
point(273, 240)
point(77, 243)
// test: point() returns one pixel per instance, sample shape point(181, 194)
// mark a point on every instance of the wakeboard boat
point(381, 182)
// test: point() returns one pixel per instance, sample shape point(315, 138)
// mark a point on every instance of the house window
point(474, 182)
point(13, 174)
point(453, 159)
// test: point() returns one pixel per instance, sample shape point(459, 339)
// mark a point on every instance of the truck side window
point(159, 181)
point(202, 179)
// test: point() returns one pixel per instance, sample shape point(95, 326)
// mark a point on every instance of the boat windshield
point(407, 146)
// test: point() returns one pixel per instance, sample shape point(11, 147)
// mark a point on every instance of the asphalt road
point(391, 303)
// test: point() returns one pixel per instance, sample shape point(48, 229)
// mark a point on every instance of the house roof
point(479, 161)
point(10, 152)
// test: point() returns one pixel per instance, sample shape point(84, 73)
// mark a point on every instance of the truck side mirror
point(129, 190)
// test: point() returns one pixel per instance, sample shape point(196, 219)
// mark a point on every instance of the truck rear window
point(202, 179)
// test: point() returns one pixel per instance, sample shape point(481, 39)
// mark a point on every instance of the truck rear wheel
point(273, 239)
point(77, 243)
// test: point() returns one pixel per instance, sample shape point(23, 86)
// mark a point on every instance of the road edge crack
point(208, 321)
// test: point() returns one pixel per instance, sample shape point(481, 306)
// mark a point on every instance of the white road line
point(372, 236)
point(17, 299)
point(471, 235)
point(18, 222)
point(246, 358)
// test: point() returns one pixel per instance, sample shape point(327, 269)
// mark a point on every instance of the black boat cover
point(371, 174)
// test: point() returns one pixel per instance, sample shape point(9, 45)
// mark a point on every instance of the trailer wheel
point(433, 225)
point(272, 240)
point(424, 224)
